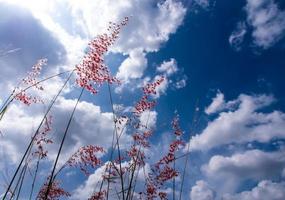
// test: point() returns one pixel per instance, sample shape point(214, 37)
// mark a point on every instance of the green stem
point(117, 142)
point(34, 136)
point(61, 145)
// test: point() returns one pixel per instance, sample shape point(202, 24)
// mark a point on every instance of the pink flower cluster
point(166, 174)
point(41, 139)
point(98, 195)
point(162, 195)
point(144, 103)
point(92, 70)
point(151, 88)
point(142, 139)
point(174, 145)
point(137, 155)
point(27, 99)
point(151, 191)
point(163, 171)
point(31, 81)
point(176, 126)
point(86, 156)
point(55, 192)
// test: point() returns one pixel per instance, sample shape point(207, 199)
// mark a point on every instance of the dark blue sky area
point(202, 48)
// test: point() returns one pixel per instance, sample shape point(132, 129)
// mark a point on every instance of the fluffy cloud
point(85, 190)
point(89, 124)
point(181, 83)
point(15, 137)
point(148, 118)
point(242, 124)
point(250, 165)
point(132, 67)
point(266, 189)
point(201, 191)
point(217, 104)
point(151, 24)
point(265, 19)
point(263, 191)
point(74, 23)
point(151, 30)
point(168, 67)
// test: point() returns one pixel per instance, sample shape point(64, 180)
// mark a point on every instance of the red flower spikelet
point(92, 70)
point(30, 81)
point(55, 192)
point(86, 156)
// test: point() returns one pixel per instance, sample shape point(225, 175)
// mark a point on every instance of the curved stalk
point(34, 136)
point(61, 145)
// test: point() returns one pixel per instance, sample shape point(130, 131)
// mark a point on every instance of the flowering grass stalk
point(50, 183)
point(17, 94)
point(28, 149)
point(120, 177)
point(118, 144)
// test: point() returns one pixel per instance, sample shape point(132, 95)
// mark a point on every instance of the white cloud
point(263, 191)
point(266, 20)
point(168, 67)
point(242, 124)
point(74, 23)
point(150, 25)
point(201, 191)
point(148, 118)
point(132, 67)
point(237, 36)
point(250, 165)
point(217, 104)
point(85, 190)
point(89, 124)
point(92, 184)
point(15, 137)
point(181, 83)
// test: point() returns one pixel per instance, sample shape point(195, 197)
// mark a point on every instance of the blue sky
point(223, 62)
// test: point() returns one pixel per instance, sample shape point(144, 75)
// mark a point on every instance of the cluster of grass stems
point(115, 170)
